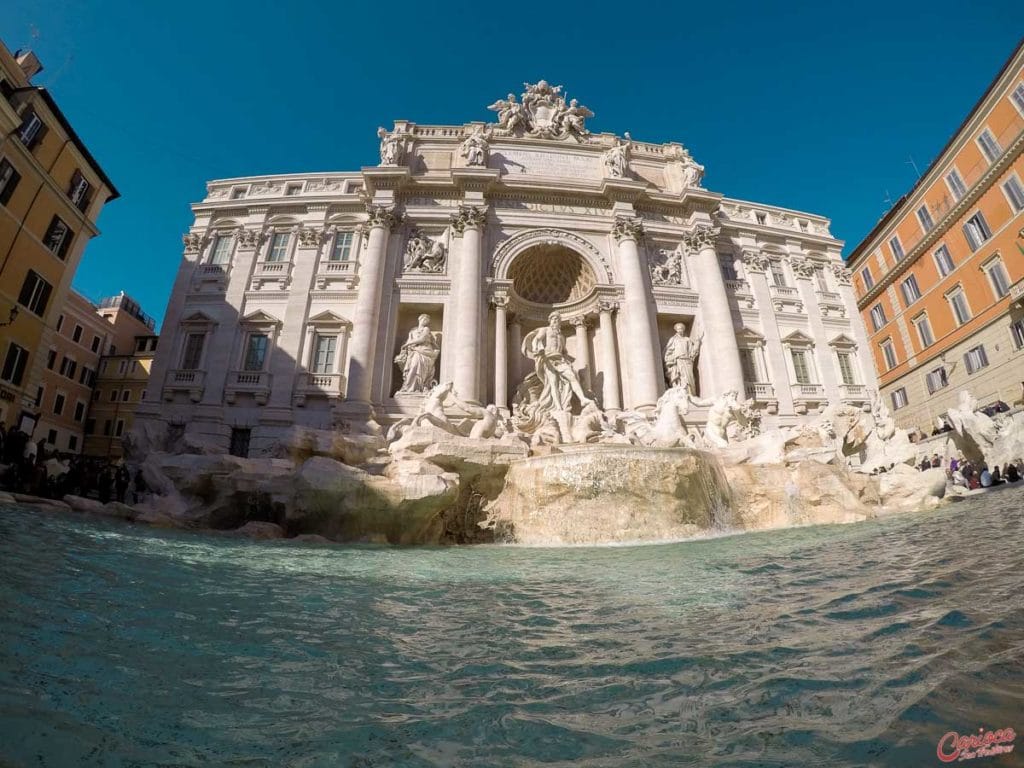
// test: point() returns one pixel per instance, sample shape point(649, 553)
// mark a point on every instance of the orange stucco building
point(940, 279)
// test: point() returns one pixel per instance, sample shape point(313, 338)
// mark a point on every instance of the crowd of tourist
point(33, 468)
point(976, 475)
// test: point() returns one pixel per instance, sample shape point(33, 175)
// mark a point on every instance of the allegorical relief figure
point(423, 254)
point(418, 357)
point(390, 147)
point(476, 147)
point(616, 159)
point(680, 354)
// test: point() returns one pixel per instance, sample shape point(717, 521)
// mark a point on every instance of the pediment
point(798, 337)
point(259, 317)
point(842, 340)
point(327, 317)
point(749, 334)
point(198, 318)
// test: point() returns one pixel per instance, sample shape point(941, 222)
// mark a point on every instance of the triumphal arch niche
point(447, 261)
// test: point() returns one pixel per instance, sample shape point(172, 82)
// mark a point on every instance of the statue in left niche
point(418, 357)
point(476, 147)
point(391, 149)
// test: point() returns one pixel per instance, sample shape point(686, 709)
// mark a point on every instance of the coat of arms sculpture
point(542, 111)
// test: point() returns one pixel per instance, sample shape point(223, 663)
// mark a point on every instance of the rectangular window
point(119, 430)
point(32, 129)
point(878, 318)
point(1017, 330)
point(9, 179)
point(64, 362)
point(728, 267)
point(83, 377)
point(846, 367)
point(943, 261)
point(76, 335)
point(79, 410)
point(910, 289)
point(72, 367)
point(897, 248)
point(35, 293)
point(256, 352)
point(221, 253)
point(58, 237)
point(821, 279)
point(1014, 191)
point(113, 395)
point(121, 366)
point(956, 184)
point(899, 398)
point(1018, 97)
point(800, 367)
point(889, 353)
point(925, 217)
point(14, 364)
point(193, 356)
point(106, 427)
point(96, 394)
point(936, 380)
point(975, 359)
point(72, 442)
point(79, 191)
point(924, 331)
point(323, 354)
point(869, 281)
point(958, 304)
point(989, 146)
point(748, 365)
point(51, 437)
point(240, 442)
point(278, 247)
point(778, 274)
point(90, 426)
point(58, 404)
point(342, 249)
point(39, 395)
point(998, 278)
point(976, 231)
point(126, 395)
point(51, 359)
point(95, 344)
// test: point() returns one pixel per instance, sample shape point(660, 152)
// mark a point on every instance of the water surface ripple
point(834, 645)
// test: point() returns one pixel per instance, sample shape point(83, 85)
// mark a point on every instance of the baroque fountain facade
point(519, 330)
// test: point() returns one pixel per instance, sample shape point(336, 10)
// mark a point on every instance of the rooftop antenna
point(888, 200)
point(913, 165)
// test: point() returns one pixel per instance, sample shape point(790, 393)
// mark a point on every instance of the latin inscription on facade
point(532, 163)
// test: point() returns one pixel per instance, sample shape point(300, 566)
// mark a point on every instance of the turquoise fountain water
point(833, 645)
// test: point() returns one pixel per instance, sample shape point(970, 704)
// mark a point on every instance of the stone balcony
point(831, 304)
point(806, 394)
point(857, 393)
point(255, 383)
point(785, 298)
point(190, 381)
point(742, 291)
point(275, 272)
point(210, 277)
point(762, 393)
point(335, 271)
point(328, 385)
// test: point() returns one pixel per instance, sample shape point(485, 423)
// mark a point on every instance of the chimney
point(29, 63)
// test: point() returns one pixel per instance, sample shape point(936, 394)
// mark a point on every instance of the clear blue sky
point(813, 106)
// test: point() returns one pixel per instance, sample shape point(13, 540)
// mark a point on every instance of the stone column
point(642, 356)
point(716, 317)
point(864, 358)
point(582, 351)
point(500, 352)
point(469, 223)
point(756, 264)
point(609, 360)
point(367, 311)
point(515, 332)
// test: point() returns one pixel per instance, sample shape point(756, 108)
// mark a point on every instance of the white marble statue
point(418, 357)
point(390, 147)
point(432, 409)
point(510, 113)
point(569, 120)
point(725, 410)
point(616, 159)
point(680, 355)
point(476, 147)
point(692, 173)
point(423, 254)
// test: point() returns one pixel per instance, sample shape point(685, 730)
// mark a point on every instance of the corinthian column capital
point(701, 236)
point(755, 261)
point(842, 274)
point(627, 228)
point(468, 217)
point(381, 216)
